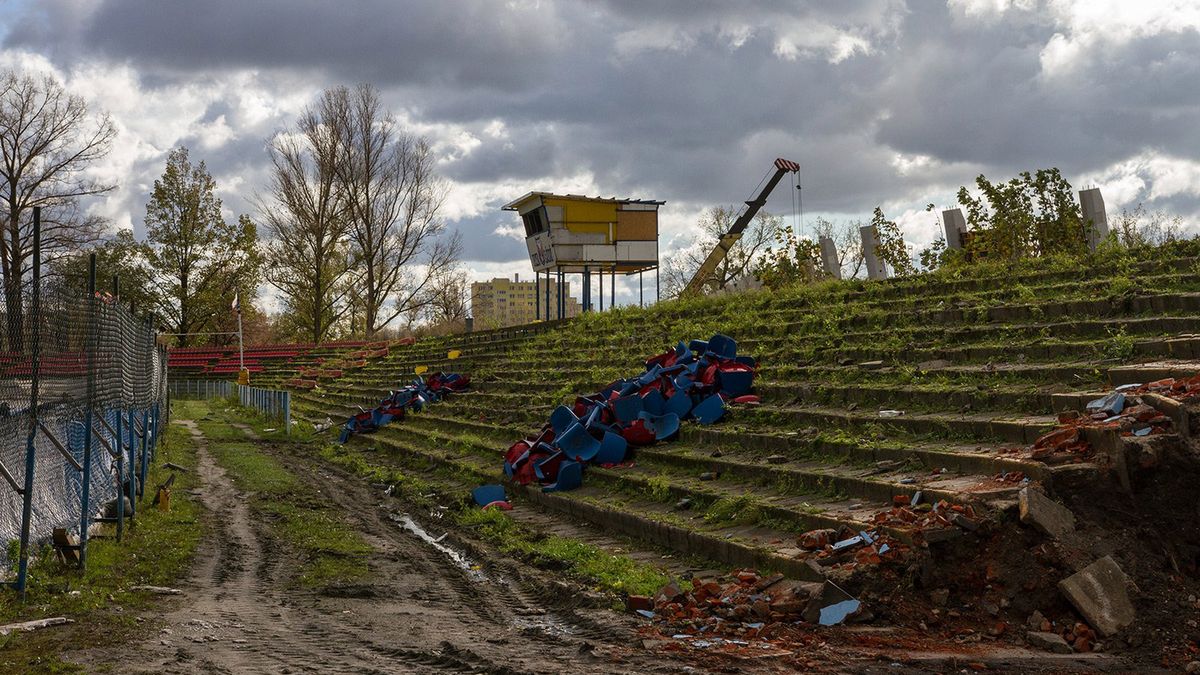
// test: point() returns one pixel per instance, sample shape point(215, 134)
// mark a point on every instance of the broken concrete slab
point(1173, 409)
point(1044, 514)
point(28, 626)
point(1051, 642)
point(1099, 593)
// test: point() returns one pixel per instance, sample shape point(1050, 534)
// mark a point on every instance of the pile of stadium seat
point(412, 397)
point(693, 381)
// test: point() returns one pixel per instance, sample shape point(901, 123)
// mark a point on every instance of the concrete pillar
point(829, 257)
point(1091, 205)
point(870, 242)
point(956, 227)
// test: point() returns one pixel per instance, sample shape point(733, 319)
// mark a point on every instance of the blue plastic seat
point(486, 494)
point(570, 477)
point(577, 443)
point(709, 410)
point(612, 449)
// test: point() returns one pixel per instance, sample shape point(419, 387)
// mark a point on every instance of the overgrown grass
point(157, 550)
point(333, 552)
point(582, 561)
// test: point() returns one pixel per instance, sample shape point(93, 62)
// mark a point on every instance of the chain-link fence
point(82, 400)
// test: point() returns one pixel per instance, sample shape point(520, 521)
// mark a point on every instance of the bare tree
point(307, 258)
point(393, 198)
point(739, 260)
point(847, 240)
point(450, 302)
point(47, 141)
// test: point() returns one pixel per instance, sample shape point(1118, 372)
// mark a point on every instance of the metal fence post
point(85, 512)
point(35, 372)
point(117, 434)
point(145, 449)
point(287, 412)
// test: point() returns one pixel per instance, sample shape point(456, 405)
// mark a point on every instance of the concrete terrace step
point(657, 523)
point(1021, 430)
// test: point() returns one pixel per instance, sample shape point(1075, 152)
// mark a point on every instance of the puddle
point(546, 622)
point(457, 557)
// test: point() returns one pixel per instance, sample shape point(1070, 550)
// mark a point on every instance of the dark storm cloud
point(472, 42)
point(683, 100)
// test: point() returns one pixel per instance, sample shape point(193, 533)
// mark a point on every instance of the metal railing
point(273, 403)
point(270, 402)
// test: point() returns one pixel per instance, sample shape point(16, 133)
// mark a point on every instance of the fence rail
point(270, 402)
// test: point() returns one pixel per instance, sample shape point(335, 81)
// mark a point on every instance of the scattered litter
point(696, 381)
point(837, 613)
point(156, 590)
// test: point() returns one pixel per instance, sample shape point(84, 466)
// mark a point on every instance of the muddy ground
point(449, 604)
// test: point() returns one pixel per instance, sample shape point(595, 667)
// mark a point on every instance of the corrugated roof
point(512, 206)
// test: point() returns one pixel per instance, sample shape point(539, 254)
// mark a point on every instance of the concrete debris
point(27, 626)
point(1044, 514)
point(745, 605)
point(1051, 642)
point(1126, 410)
point(1099, 593)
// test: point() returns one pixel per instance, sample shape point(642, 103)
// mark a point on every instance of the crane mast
point(704, 274)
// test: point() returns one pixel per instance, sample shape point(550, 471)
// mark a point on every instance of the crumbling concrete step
point(739, 546)
point(1035, 372)
point(1022, 430)
point(904, 397)
point(964, 459)
point(1141, 373)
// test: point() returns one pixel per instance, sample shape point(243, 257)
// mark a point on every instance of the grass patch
point(156, 551)
point(583, 561)
point(333, 552)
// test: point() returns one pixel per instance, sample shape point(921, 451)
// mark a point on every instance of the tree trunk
point(13, 304)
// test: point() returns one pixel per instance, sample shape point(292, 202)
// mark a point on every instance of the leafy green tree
point(1033, 214)
point(121, 256)
point(891, 250)
point(198, 261)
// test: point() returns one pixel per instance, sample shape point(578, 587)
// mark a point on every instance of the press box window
point(536, 221)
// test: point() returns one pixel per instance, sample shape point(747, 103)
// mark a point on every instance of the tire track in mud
point(528, 608)
point(419, 611)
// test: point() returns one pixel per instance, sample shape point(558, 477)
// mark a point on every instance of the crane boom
point(704, 273)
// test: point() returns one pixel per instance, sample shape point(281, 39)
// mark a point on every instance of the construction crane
point(704, 275)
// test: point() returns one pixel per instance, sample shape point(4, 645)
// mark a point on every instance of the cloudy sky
point(883, 102)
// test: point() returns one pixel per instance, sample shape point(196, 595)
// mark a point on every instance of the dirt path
point(428, 608)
